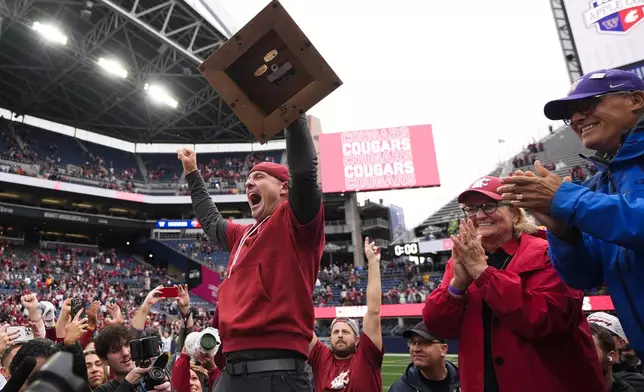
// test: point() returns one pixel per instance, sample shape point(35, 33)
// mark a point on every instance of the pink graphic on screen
point(387, 158)
point(209, 287)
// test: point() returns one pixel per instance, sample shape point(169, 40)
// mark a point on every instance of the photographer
point(194, 368)
point(153, 298)
point(186, 375)
point(113, 346)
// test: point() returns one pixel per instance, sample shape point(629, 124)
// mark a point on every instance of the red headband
point(272, 169)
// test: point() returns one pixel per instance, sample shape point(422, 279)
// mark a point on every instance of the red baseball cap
point(272, 169)
point(486, 186)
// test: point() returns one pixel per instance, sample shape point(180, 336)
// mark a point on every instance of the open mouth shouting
point(254, 199)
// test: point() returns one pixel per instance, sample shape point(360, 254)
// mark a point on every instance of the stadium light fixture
point(160, 95)
point(50, 33)
point(113, 67)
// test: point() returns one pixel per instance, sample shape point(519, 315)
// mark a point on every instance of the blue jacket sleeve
point(575, 262)
point(610, 218)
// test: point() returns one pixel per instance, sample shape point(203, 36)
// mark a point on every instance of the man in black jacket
point(428, 371)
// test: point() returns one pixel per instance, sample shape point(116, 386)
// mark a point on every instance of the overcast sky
point(478, 71)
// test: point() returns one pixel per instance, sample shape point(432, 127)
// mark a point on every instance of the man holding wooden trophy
point(269, 73)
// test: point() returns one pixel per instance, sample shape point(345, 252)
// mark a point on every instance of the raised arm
point(371, 322)
point(141, 315)
point(305, 196)
point(212, 222)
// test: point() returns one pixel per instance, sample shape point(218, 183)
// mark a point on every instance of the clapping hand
point(531, 191)
point(556, 226)
point(470, 249)
point(461, 279)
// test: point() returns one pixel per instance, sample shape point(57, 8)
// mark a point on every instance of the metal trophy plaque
point(269, 73)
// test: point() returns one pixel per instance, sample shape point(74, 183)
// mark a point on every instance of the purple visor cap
point(594, 83)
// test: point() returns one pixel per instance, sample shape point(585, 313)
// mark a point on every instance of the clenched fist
point(188, 159)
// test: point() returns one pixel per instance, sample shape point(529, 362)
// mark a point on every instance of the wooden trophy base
point(269, 73)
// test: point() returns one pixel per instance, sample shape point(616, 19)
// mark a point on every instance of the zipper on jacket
point(613, 190)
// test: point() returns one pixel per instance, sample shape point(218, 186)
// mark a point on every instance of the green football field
point(394, 365)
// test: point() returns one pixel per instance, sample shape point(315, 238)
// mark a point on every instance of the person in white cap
point(625, 366)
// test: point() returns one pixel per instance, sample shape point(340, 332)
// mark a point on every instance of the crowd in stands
point(341, 284)
point(34, 152)
point(527, 157)
point(582, 173)
point(54, 272)
point(346, 285)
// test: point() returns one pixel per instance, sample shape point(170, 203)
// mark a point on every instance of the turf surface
point(394, 365)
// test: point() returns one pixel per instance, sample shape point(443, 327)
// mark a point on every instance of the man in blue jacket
point(428, 371)
point(596, 230)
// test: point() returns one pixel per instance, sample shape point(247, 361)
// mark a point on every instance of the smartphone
point(170, 292)
point(25, 334)
point(77, 305)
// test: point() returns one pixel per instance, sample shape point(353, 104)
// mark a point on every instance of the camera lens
point(156, 374)
point(208, 341)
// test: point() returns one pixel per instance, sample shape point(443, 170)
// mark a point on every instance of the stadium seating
point(338, 285)
point(106, 167)
point(117, 159)
point(560, 151)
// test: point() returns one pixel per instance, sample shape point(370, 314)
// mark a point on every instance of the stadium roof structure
point(159, 41)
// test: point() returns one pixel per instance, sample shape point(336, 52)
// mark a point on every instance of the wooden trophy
point(269, 73)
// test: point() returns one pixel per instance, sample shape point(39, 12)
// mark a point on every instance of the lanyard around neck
point(243, 241)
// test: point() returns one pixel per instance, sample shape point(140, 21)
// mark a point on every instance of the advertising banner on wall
point(203, 281)
point(591, 304)
point(388, 158)
point(607, 33)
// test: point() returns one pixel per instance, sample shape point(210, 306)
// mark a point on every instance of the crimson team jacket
point(540, 341)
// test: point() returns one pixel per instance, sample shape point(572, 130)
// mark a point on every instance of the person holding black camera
point(113, 345)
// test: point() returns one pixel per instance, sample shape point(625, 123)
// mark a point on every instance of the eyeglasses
point(422, 343)
point(587, 106)
point(487, 208)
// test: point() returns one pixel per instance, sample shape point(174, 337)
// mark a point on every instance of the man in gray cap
point(353, 363)
point(429, 370)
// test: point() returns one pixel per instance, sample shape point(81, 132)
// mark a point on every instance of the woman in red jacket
point(520, 328)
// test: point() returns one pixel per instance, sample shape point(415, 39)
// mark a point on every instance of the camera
point(56, 375)
point(206, 341)
point(142, 351)
point(156, 376)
